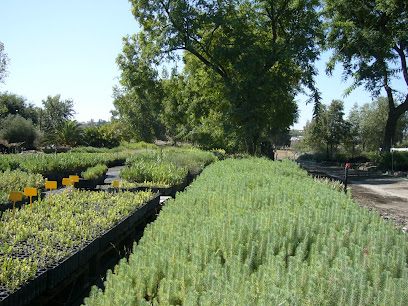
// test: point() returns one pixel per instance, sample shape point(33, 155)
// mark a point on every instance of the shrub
point(18, 129)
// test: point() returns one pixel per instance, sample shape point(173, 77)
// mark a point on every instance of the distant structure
point(295, 139)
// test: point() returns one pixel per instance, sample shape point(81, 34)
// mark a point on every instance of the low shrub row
point(94, 172)
point(52, 163)
point(257, 232)
point(165, 167)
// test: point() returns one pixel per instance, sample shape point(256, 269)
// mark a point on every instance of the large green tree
point(138, 101)
point(370, 39)
point(370, 122)
point(261, 52)
point(12, 104)
point(54, 115)
point(329, 129)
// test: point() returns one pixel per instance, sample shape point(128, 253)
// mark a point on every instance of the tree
point(261, 52)
point(370, 40)
point(108, 135)
point(17, 129)
point(55, 113)
point(353, 126)
point(138, 100)
point(329, 129)
point(14, 104)
point(69, 133)
point(370, 120)
point(3, 63)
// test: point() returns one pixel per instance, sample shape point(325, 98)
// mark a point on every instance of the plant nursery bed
point(71, 274)
point(90, 184)
point(59, 176)
point(9, 205)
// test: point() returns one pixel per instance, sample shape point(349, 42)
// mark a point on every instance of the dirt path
point(386, 194)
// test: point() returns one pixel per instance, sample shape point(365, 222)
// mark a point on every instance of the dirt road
point(386, 194)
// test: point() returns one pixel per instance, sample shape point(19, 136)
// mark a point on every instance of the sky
point(70, 47)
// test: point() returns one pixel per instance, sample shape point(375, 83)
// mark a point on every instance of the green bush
point(17, 180)
point(157, 173)
point(396, 160)
point(17, 129)
point(93, 173)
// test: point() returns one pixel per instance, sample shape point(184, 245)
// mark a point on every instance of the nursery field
point(258, 232)
point(44, 241)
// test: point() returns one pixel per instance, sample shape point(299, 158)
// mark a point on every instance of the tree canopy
point(54, 115)
point(370, 40)
point(258, 54)
point(17, 105)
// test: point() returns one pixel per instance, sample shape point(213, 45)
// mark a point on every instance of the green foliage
point(141, 145)
point(256, 232)
point(16, 129)
point(138, 101)
point(154, 172)
point(17, 180)
point(393, 160)
point(89, 149)
point(17, 105)
point(244, 63)
point(167, 167)
point(369, 39)
point(94, 172)
point(55, 113)
point(328, 129)
point(51, 234)
point(69, 133)
point(362, 132)
point(61, 162)
point(372, 124)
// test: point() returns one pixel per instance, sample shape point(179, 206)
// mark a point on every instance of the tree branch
point(403, 58)
point(390, 96)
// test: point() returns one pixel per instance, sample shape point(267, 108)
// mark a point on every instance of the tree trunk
point(327, 151)
point(394, 113)
point(390, 129)
point(250, 144)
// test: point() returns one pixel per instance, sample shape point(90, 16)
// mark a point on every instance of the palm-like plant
point(70, 133)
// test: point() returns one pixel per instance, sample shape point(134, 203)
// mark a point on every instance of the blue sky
point(70, 47)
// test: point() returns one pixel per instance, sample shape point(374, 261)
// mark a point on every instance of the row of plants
point(17, 180)
point(53, 163)
point(94, 172)
point(165, 167)
point(123, 147)
point(34, 240)
point(258, 232)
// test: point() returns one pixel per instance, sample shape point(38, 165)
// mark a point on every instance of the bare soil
point(389, 207)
